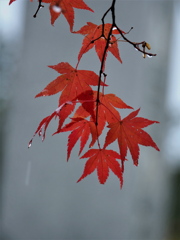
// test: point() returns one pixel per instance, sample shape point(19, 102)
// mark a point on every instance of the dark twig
point(101, 71)
point(135, 44)
point(39, 6)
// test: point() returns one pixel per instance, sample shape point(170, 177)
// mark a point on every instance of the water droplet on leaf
point(56, 9)
point(149, 56)
point(40, 132)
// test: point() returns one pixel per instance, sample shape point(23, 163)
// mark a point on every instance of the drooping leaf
point(41, 129)
point(129, 135)
point(96, 36)
point(102, 160)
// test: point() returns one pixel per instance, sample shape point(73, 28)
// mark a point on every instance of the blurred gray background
point(39, 196)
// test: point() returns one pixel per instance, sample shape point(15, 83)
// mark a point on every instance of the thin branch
point(39, 6)
point(135, 44)
point(104, 54)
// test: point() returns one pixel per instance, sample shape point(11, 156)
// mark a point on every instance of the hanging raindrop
point(56, 9)
point(30, 144)
point(149, 56)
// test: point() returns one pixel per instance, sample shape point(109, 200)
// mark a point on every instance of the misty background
point(39, 196)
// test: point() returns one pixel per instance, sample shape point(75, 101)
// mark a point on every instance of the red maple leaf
point(102, 160)
point(129, 134)
point(66, 8)
point(80, 130)
point(72, 82)
point(96, 36)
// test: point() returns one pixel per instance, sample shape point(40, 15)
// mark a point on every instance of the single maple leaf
point(80, 130)
point(129, 134)
point(96, 36)
point(96, 130)
point(72, 82)
point(102, 160)
point(66, 7)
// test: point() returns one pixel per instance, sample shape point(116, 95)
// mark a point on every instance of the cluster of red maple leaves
point(90, 111)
